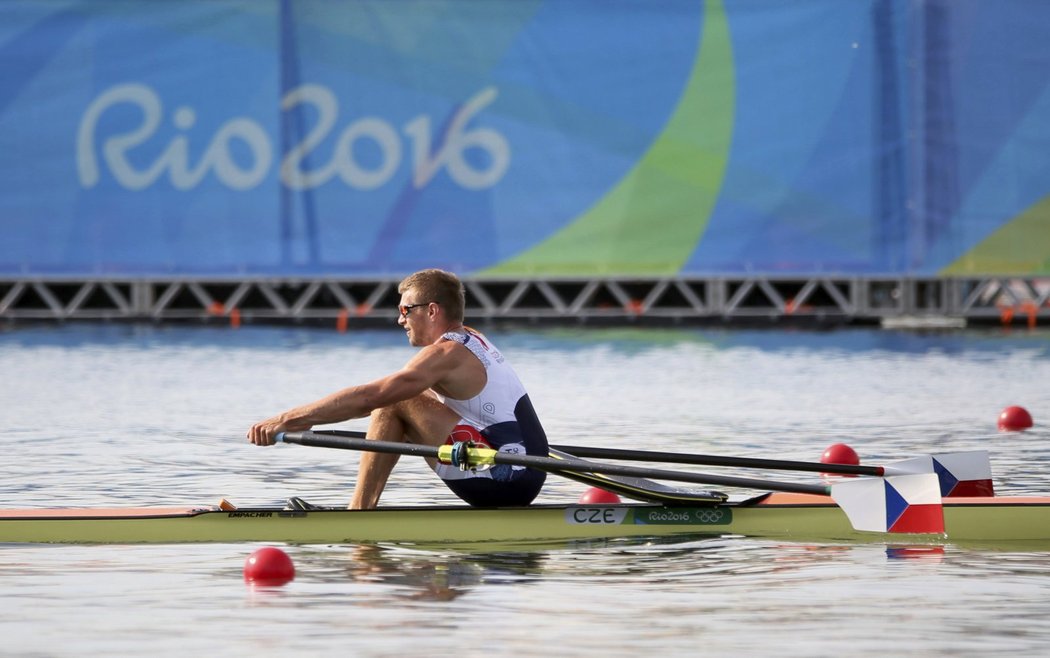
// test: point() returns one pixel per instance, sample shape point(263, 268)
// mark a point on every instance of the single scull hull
point(798, 516)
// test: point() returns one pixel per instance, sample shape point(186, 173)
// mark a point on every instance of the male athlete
point(457, 387)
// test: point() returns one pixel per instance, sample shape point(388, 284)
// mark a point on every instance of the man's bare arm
point(428, 367)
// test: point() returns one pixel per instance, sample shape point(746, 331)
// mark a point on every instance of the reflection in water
point(668, 563)
point(425, 575)
point(926, 553)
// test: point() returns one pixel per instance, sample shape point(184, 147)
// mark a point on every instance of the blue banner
point(524, 137)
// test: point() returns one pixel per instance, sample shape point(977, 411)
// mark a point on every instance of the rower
point(458, 387)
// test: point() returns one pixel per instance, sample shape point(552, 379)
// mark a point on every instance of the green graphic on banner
point(652, 220)
point(1018, 247)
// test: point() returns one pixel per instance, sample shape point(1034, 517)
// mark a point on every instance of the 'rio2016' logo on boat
point(684, 516)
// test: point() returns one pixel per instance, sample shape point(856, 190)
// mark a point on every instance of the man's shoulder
point(445, 349)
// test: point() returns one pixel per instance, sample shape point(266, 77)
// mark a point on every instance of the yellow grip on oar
point(466, 455)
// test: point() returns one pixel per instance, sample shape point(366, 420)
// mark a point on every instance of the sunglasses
point(405, 309)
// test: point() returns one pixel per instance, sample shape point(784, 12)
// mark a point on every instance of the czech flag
point(899, 503)
point(959, 473)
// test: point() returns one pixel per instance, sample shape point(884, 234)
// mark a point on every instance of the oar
point(903, 503)
point(465, 456)
point(588, 452)
point(961, 473)
point(966, 473)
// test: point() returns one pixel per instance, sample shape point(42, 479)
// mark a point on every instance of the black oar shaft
point(582, 466)
point(342, 441)
point(350, 441)
point(588, 452)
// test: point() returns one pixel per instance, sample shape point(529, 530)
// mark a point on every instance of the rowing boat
point(775, 515)
point(918, 497)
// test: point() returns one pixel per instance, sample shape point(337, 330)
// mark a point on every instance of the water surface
point(103, 415)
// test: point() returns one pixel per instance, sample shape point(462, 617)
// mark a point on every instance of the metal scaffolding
point(819, 300)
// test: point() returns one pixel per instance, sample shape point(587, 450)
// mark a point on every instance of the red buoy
point(840, 453)
point(596, 496)
point(269, 567)
point(1014, 419)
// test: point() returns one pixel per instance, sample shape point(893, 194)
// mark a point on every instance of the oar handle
point(336, 439)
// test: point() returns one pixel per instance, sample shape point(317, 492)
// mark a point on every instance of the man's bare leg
point(422, 420)
point(375, 467)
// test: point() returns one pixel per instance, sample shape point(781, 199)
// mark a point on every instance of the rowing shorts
point(501, 485)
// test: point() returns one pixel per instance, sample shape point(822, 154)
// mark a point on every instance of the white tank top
point(501, 413)
point(497, 401)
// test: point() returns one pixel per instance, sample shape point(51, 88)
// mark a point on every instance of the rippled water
point(128, 415)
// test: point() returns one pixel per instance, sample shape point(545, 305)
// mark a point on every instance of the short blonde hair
point(439, 286)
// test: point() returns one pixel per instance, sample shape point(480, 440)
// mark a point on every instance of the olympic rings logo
point(710, 516)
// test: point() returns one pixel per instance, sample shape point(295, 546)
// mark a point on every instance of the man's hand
point(264, 433)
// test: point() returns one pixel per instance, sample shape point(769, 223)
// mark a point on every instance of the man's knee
point(399, 410)
point(422, 419)
point(420, 411)
point(383, 414)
